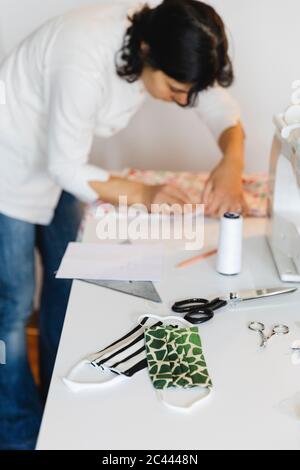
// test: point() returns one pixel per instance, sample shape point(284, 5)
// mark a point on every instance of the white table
point(249, 384)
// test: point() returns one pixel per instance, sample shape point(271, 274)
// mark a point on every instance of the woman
point(86, 73)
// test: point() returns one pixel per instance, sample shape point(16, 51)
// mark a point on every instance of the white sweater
point(61, 89)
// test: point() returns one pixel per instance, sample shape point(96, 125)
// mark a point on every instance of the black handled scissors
point(198, 311)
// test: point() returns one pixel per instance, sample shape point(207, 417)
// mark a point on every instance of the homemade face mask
point(176, 361)
point(124, 357)
point(175, 357)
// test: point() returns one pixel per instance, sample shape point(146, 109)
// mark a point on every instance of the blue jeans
point(20, 400)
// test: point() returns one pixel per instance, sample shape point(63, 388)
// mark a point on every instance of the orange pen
point(201, 257)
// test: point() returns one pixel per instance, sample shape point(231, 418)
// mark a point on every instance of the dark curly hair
point(186, 40)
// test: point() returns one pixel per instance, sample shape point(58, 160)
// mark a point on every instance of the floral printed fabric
point(255, 186)
point(256, 189)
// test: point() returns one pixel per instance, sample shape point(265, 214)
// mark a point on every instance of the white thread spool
point(229, 260)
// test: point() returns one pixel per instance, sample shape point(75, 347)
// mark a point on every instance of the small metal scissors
point(199, 311)
point(276, 330)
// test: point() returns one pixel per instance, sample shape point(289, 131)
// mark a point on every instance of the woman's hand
point(140, 193)
point(160, 198)
point(116, 187)
point(223, 191)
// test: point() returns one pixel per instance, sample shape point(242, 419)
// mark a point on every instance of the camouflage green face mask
point(175, 358)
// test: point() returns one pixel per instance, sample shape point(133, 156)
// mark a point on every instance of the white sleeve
point(218, 110)
point(73, 100)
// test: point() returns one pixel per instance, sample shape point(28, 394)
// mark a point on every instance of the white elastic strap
point(161, 396)
point(165, 319)
point(76, 386)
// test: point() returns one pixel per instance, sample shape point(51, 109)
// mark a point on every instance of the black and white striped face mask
point(124, 357)
point(127, 354)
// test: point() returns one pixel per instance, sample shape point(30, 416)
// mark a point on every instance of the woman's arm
point(224, 190)
point(138, 193)
point(231, 143)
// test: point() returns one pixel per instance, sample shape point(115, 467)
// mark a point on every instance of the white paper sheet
point(112, 262)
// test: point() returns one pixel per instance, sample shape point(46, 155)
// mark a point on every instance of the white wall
point(265, 35)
